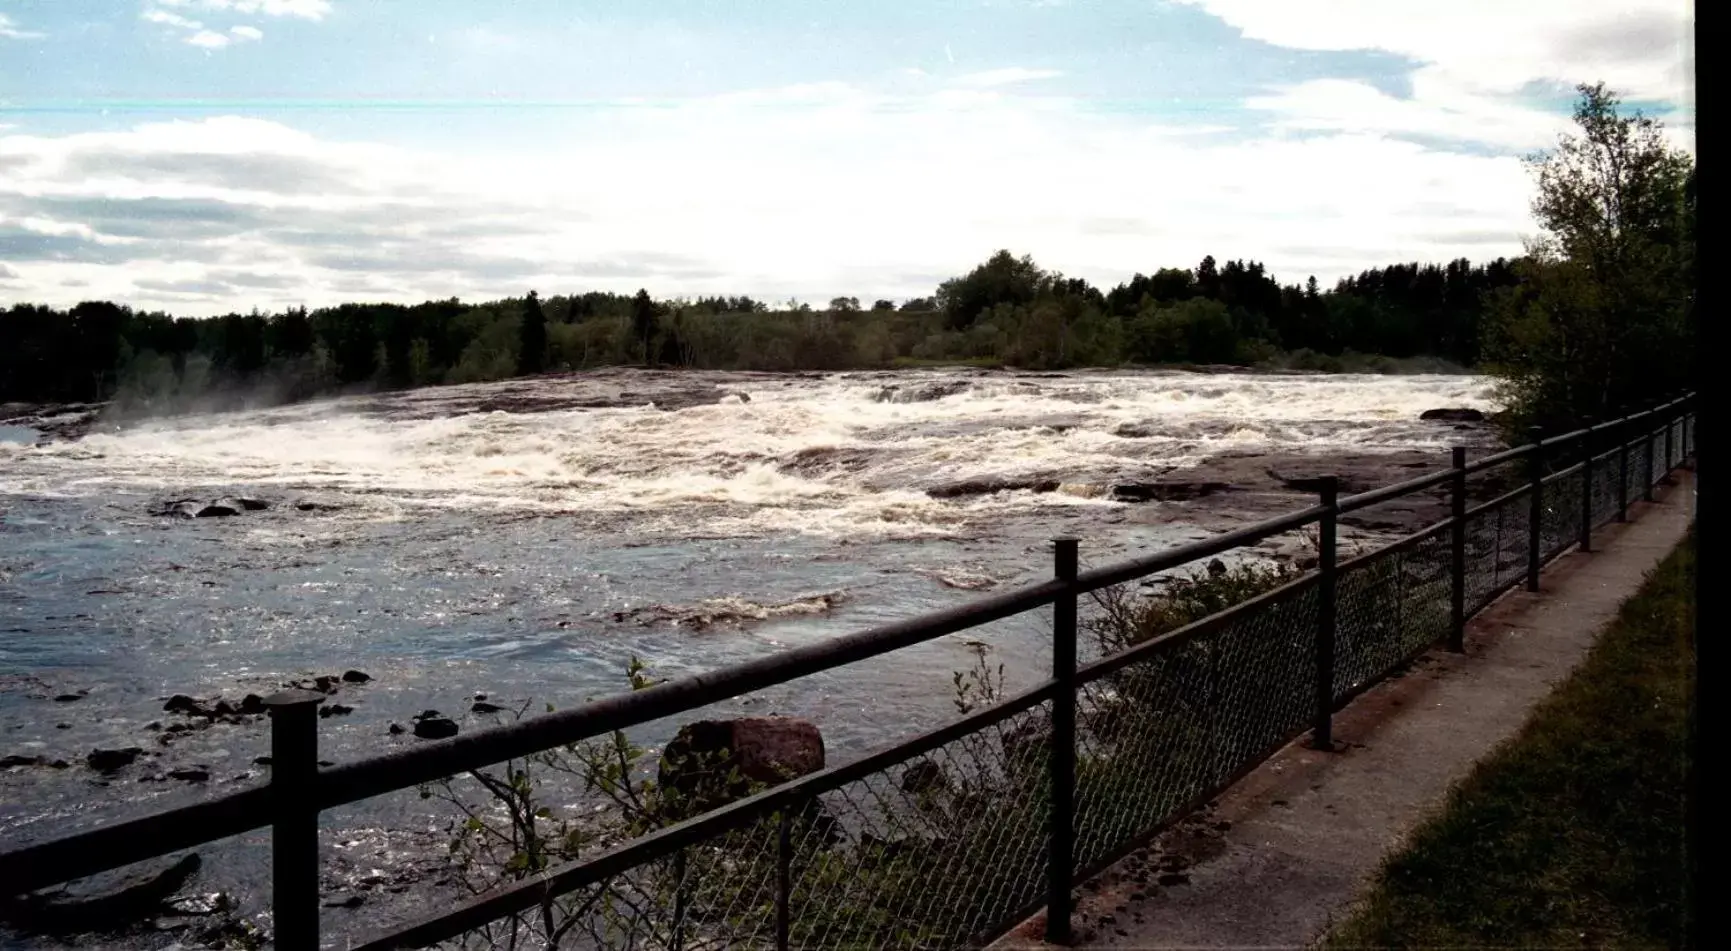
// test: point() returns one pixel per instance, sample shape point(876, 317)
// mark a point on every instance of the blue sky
point(208, 155)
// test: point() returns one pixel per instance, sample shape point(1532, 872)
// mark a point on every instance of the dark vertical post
point(1322, 736)
point(1649, 436)
point(294, 836)
point(1458, 552)
point(783, 883)
point(1061, 836)
point(1535, 507)
point(1622, 430)
point(680, 893)
point(1670, 424)
point(1587, 449)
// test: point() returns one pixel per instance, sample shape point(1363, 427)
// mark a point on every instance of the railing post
point(1322, 735)
point(1649, 437)
point(1061, 835)
point(1535, 507)
point(1458, 552)
point(1670, 424)
point(1587, 448)
point(1622, 431)
point(294, 837)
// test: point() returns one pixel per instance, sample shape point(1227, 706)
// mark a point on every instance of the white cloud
point(303, 9)
point(1006, 77)
point(1474, 61)
point(196, 33)
point(1492, 45)
point(9, 30)
point(810, 191)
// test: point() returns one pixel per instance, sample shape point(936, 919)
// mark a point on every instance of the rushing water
point(524, 540)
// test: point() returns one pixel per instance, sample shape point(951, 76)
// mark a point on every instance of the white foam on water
point(735, 467)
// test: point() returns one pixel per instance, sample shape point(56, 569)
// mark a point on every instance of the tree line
point(1008, 310)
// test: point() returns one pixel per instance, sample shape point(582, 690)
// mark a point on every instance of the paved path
point(1286, 851)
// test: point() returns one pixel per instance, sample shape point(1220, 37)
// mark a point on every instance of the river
point(524, 540)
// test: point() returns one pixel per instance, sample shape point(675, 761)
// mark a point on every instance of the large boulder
point(710, 763)
point(64, 911)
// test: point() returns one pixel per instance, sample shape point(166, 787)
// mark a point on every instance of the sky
point(208, 156)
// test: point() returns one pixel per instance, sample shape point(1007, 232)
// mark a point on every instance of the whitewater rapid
point(838, 456)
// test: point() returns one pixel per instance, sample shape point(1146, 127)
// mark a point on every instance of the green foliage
point(1125, 620)
point(1601, 318)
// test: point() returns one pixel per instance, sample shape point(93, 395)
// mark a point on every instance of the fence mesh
point(1160, 732)
point(946, 846)
point(1389, 606)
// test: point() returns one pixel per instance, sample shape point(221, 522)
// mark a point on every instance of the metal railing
point(952, 837)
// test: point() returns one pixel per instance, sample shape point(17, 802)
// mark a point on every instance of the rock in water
point(221, 508)
point(433, 725)
point(107, 761)
point(108, 911)
point(713, 762)
point(355, 677)
point(1453, 415)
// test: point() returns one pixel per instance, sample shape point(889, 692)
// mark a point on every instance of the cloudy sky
point(203, 156)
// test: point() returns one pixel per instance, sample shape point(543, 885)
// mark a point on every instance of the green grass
point(1570, 835)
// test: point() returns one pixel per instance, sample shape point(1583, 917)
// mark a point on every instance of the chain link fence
point(947, 845)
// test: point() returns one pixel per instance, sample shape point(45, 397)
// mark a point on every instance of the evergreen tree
point(532, 340)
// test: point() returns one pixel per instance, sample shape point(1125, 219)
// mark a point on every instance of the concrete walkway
point(1285, 853)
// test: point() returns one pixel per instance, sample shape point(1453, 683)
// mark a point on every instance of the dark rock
point(7, 762)
point(335, 710)
point(355, 677)
point(435, 727)
point(919, 392)
point(482, 706)
point(480, 696)
point(1174, 490)
point(191, 774)
point(989, 486)
point(251, 704)
point(222, 508)
point(395, 729)
point(64, 912)
point(261, 761)
point(713, 762)
point(251, 505)
point(69, 698)
point(1216, 567)
point(307, 505)
point(177, 508)
point(107, 761)
point(181, 703)
point(326, 683)
point(1453, 415)
point(1174, 878)
point(59, 764)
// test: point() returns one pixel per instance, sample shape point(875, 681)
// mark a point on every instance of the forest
point(1007, 311)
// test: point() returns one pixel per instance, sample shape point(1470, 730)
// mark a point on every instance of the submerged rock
point(1174, 490)
point(1453, 415)
point(990, 485)
point(107, 761)
point(433, 725)
point(355, 677)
